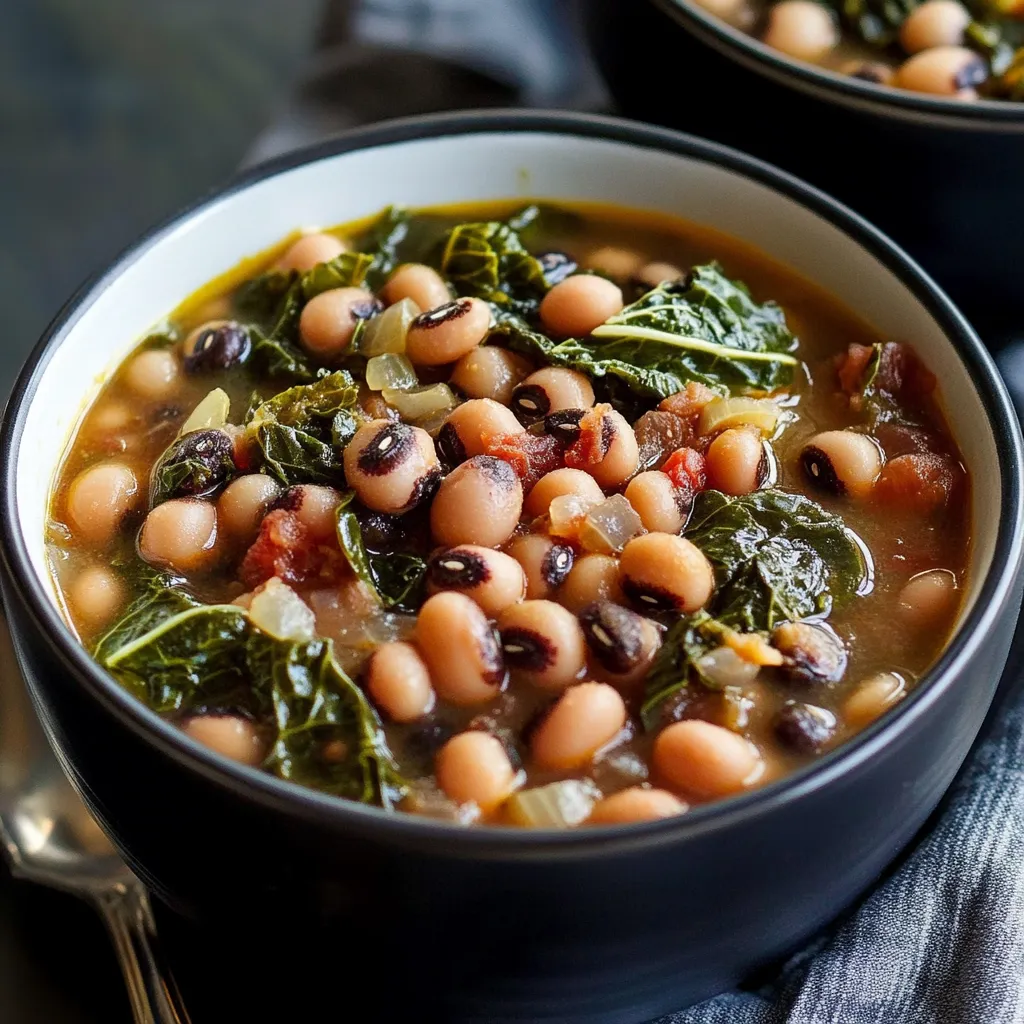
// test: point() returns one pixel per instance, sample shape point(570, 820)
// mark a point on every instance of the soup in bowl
point(608, 489)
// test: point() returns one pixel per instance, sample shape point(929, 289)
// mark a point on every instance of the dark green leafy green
point(297, 430)
point(705, 329)
point(876, 22)
point(676, 663)
point(186, 658)
point(486, 259)
point(777, 557)
point(315, 703)
point(398, 578)
point(177, 656)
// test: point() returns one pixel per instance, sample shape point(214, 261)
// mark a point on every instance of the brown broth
point(901, 545)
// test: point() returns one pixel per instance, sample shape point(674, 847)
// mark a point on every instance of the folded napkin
point(941, 939)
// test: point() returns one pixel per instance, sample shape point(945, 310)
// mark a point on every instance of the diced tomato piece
point(922, 482)
point(659, 434)
point(592, 444)
point(530, 455)
point(284, 548)
point(687, 469)
point(689, 401)
point(852, 366)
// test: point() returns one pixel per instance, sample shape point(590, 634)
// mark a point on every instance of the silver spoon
point(49, 837)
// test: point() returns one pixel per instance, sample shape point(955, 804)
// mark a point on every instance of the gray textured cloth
point(941, 939)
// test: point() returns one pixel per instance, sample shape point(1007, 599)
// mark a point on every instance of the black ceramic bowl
point(496, 925)
point(942, 177)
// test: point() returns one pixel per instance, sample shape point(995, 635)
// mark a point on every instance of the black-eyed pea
point(934, 23)
point(802, 28)
point(315, 506)
point(635, 804)
point(446, 333)
point(650, 275)
point(843, 462)
point(580, 303)
point(154, 374)
point(804, 728)
point(872, 697)
point(622, 264)
point(180, 534)
point(418, 282)
point(460, 649)
point(329, 320)
point(391, 466)
point(812, 652)
point(623, 643)
point(549, 390)
point(545, 564)
point(490, 372)
point(557, 483)
point(98, 500)
point(953, 71)
point(479, 502)
point(243, 503)
point(96, 595)
point(585, 718)
point(661, 506)
point(216, 345)
point(592, 578)
point(398, 681)
point(929, 599)
point(705, 761)
point(663, 571)
point(474, 767)
point(492, 579)
point(231, 736)
point(619, 454)
point(542, 643)
point(310, 250)
point(477, 419)
point(735, 461)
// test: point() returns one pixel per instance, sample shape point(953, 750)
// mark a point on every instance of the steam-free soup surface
point(515, 516)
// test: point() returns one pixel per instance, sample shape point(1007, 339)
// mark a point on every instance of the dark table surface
point(112, 114)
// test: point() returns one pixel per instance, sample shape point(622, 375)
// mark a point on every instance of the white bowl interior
point(489, 165)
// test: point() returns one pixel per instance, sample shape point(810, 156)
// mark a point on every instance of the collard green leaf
point(876, 22)
point(279, 358)
point(347, 270)
point(162, 597)
point(259, 299)
point(707, 329)
point(212, 655)
point(315, 703)
point(295, 430)
point(777, 557)
point(186, 658)
point(398, 578)
point(487, 260)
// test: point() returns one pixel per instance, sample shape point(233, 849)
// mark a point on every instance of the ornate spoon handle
point(152, 991)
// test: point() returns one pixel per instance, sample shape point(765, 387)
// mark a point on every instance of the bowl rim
point(357, 820)
point(884, 100)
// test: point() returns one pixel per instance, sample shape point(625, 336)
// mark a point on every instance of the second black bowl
point(942, 177)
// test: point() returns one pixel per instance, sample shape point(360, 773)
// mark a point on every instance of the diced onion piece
point(432, 424)
point(558, 805)
point(566, 514)
point(723, 413)
point(608, 526)
point(210, 414)
point(418, 404)
point(390, 371)
point(386, 333)
point(724, 667)
point(278, 610)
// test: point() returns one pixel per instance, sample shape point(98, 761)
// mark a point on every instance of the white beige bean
point(557, 483)
point(180, 535)
point(802, 29)
point(391, 466)
point(98, 500)
point(329, 320)
point(479, 502)
point(934, 23)
point(661, 506)
point(460, 649)
point(545, 564)
point(928, 600)
point(418, 282)
point(635, 804)
point(446, 333)
point(734, 461)
point(243, 503)
point(493, 579)
point(592, 578)
point(473, 767)
point(542, 643)
point(843, 462)
point(661, 570)
point(580, 303)
point(549, 390)
point(872, 697)
point(310, 250)
point(96, 595)
point(231, 736)
point(585, 718)
point(479, 418)
point(490, 372)
point(154, 374)
point(398, 681)
point(953, 71)
point(705, 761)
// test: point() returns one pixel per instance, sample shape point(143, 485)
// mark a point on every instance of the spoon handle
point(153, 994)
